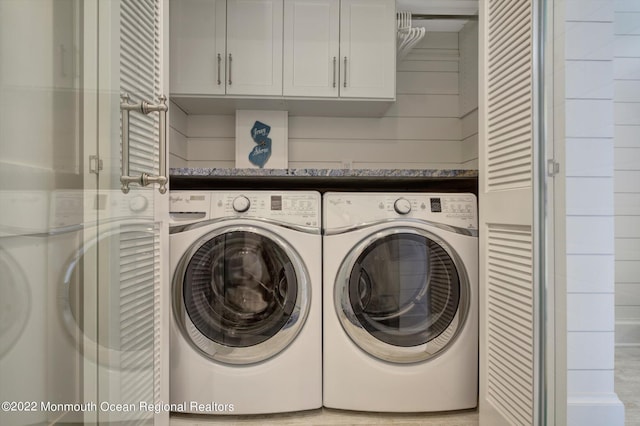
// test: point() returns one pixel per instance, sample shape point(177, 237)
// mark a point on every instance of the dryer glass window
point(404, 289)
point(240, 289)
point(126, 245)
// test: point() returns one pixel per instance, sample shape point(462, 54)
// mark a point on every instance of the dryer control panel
point(349, 209)
point(71, 207)
point(300, 208)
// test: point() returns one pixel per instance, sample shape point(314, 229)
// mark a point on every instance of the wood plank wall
point(468, 39)
point(584, 58)
point(178, 156)
point(627, 171)
point(423, 129)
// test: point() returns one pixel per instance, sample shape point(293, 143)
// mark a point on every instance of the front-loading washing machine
point(246, 334)
point(400, 325)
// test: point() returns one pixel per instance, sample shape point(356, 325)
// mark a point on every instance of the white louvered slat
point(139, 252)
point(510, 93)
point(517, 275)
point(510, 64)
point(501, 44)
point(499, 8)
point(513, 289)
point(510, 139)
point(514, 107)
point(508, 362)
point(510, 321)
point(504, 92)
point(508, 19)
point(140, 76)
point(157, 320)
point(513, 173)
point(136, 272)
point(138, 260)
point(509, 157)
point(506, 355)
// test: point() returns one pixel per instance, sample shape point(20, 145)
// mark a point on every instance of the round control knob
point(402, 206)
point(138, 203)
point(241, 204)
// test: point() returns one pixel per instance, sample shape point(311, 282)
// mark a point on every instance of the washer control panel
point(402, 206)
point(348, 209)
point(241, 204)
point(189, 206)
point(295, 207)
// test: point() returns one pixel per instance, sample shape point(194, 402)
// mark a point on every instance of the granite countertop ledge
point(408, 173)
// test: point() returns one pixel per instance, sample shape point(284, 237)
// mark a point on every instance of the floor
point(627, 382)
point(627, 386)
point(327, 416)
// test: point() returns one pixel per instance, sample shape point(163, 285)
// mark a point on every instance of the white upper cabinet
point(197, 49)
point(311, 48)
point(367, 49)
point(340, 48)
point(254, 47)
point(226, 47)
point(292, 50)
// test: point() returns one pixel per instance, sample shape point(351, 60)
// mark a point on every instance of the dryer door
point(402, 295)
point(121, 344)
point(14, 293)
point(241, 294)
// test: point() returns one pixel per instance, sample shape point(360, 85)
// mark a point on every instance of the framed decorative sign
point(262, 139)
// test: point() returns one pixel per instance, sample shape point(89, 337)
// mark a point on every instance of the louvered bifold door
point(140, 79)
point(130, 299)
point(508, 364)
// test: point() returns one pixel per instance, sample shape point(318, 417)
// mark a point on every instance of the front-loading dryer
point(246, 333)
point(400, 325)
point(23, 302)
point(102, 331)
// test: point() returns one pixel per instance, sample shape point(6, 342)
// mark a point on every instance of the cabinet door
point(311, 48)
point(254, 47)
point(198, 29)
point(367, 49)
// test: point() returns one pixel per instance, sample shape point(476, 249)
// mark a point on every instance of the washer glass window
point(240, 289)
point(404, 289)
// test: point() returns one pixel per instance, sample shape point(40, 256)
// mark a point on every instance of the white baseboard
point(589, 409)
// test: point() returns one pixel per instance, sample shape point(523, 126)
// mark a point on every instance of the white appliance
point(246, 333)
point(23, 301)
point(400, 291)
point(123, 349)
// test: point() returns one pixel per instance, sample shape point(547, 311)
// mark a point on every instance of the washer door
point(402, 295)
point(241, 294)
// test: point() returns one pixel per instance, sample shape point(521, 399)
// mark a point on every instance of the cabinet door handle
point(145, 108)
point(230, 64)
point(335, 61)
point(345, 71)
point(219, 68)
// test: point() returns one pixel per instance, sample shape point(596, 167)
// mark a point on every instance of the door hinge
point(95, 164)
point(553, 168)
